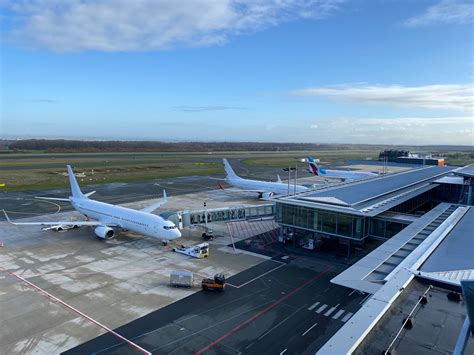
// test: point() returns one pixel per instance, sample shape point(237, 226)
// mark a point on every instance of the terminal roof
point(452, 180)
point(456, 252)
point(371, 196)
point(430, 248)
point(467, 171)
point(370, 272)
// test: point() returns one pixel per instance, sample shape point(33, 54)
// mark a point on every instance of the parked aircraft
point(340, 174)
point(105, 217)
point(264, 189)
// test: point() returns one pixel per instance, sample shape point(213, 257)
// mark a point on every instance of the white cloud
point(446, 11)
point(402, 130)
point(145, 25)
point(445, 97)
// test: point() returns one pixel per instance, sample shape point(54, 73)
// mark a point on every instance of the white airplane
point(264, 189)
point(105, 217)
point(340, 174)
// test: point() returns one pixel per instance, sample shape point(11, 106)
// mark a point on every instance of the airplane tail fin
point(228, 169)
point(313, 167)
point(76, 191)
point(155, 206)
point(279, 178)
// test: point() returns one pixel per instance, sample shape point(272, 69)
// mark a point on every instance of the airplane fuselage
point(140, 222)
point(349, 175)
point(263, 186)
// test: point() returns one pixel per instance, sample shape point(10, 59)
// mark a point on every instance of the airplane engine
point(267, 195)
point(104, 232)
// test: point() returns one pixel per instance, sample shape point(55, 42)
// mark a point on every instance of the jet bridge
point(187, 218)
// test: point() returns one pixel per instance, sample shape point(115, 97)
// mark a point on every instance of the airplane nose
point(177, 234)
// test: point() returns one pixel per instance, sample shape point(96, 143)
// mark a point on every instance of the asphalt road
point(275, 307)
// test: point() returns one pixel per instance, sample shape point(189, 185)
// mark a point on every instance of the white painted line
point(54, 298)
point(313, 306)
point(306, 332)
point(346, 317)
point(279, 262)
point(338, 314)
point(202, 329)
point(265, 273)
point(284, 351)
point(283, 321)
point(322, 308)
point(330, 310)
point(248, 346)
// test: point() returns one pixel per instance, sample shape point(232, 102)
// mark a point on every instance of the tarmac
point(70, 291)
point(60, 289)
point(285, 304)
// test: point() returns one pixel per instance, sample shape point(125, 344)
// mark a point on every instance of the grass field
point(45, 171)
point(39, 172)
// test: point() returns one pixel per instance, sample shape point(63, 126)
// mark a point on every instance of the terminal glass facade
point(379, 227)
point(344, 225)
point(415, 203)
point(337, 224)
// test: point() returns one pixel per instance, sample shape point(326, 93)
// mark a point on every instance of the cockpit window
point(169, 227)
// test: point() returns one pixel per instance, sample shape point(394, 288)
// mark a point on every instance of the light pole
point(289, 179)
point(296, 176)
point(205, 214)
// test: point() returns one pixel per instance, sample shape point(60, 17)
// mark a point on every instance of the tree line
point(62, 145)
point(86, 146)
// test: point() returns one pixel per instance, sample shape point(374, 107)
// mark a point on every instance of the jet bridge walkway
point(187, 218)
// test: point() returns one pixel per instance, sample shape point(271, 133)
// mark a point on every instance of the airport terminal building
point(421, 283)
point(379, 207)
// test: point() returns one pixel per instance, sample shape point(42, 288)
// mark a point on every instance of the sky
point(315, 71)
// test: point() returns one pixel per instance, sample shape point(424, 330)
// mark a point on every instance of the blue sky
point(323, 71)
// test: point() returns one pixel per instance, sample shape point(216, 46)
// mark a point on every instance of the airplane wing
point(77, 223)
point(62, 199)
point(90, 193)
point(54, 223)
point(52, 198)
point(155, 206)
point(237, 190)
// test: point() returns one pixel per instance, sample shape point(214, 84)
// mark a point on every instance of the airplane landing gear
point(165, 242)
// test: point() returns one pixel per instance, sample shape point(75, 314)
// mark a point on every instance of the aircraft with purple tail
point(338, 174)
